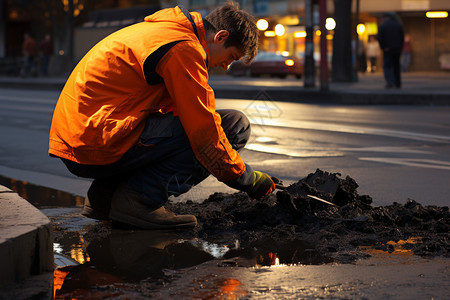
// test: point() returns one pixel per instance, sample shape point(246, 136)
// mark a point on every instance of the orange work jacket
point(104, 104)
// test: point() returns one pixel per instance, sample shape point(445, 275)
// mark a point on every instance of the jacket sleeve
point(185, 76)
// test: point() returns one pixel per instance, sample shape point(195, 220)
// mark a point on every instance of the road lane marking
point(298, 151)
point(411, 162)
point(352, 129)
point(294, 152)
point(386, 149)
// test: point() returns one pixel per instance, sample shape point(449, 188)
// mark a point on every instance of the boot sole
point(126, 219)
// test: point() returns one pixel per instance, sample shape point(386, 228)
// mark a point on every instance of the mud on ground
point(299, 229)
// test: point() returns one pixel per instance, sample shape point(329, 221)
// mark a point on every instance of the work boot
point(126, 208)
point(98, 199)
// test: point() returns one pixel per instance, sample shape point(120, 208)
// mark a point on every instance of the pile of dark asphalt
point(299, 229)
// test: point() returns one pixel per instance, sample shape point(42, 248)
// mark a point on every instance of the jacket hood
point(169, 15)
point(175, 15)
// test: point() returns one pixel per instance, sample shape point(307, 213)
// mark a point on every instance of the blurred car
point(316, 55)
point(268, 63)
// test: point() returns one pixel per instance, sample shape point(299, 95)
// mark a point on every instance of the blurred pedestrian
point(29, 53)
point(46, 49)
point(406, 53)
point(362, 61)
point(137, 114)
point(391, 38)
point(373, 51)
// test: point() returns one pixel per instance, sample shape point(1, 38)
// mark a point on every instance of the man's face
point(219, 55)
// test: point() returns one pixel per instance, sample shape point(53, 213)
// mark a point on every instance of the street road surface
point(393, 152)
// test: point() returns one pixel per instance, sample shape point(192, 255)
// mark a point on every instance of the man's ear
point(221, 36)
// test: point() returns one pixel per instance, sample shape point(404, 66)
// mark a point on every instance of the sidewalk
point(419, 88)
point(431, 88)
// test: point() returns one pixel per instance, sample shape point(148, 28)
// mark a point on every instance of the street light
point(262, 24)
point(279, 30)
point(437, 14)
point(330, 24)
point(361, 28)
point(269, 33)
point(300, 34)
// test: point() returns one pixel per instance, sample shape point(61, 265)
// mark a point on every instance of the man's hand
point(263, 185)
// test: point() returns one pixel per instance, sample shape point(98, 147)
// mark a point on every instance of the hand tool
point(320, 199)
point(280, 186)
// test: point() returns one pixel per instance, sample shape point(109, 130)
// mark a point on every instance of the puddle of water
point(94, 260)
point(392, 253)
point(124, 260)
point(114, 261)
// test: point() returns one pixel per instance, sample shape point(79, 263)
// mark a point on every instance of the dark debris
point(333, 232)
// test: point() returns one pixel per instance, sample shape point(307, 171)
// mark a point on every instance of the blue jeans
point(162, 163)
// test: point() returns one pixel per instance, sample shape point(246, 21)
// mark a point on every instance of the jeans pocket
point(157, 128)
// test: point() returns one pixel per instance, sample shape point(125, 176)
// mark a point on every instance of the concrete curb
point(26, 247)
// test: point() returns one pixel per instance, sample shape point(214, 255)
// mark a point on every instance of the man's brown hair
point(240, 25)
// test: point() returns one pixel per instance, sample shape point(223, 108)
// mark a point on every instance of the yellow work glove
point(263, 185)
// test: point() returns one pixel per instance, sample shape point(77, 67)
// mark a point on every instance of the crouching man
point(138, 116)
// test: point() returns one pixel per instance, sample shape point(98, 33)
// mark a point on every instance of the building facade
point(429, 36)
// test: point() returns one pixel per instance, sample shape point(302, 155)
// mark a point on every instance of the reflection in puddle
point(59, 275)
point(78, 254)
point(397, 251)
point(231, 289)
point(215, 250)
point(274, 260)
point(71, 253)
point(96, 261)
point(117, 261)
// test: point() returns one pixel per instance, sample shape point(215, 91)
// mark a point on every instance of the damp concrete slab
point(26, 243)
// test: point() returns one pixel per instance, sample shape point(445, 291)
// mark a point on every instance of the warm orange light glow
point(436, 14)
point(361, 28)
point(231, 288)
point(398, 249)
point(269, 33)
point(300, 34)
point(289, 62)
point(58, 280)
point(78, 254)
point(13, 14)
point(274, 260)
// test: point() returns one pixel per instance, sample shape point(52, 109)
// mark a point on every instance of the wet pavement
point(100, 260)
point(134, 264)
